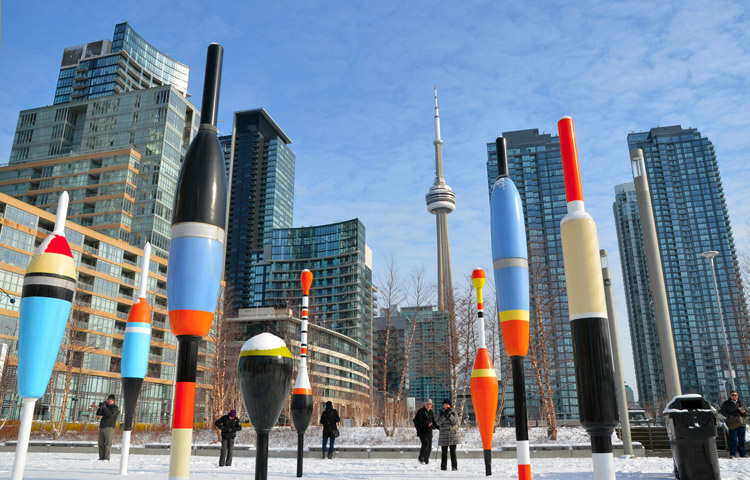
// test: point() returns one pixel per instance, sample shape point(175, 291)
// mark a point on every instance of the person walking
point(329, 418)
point(424, 422)
point(229, 425)
point(735, 411)
point(109, 412)
point(447, 421)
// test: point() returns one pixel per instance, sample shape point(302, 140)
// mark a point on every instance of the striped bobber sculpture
point(48, 289)
point(135, 350)
point(510, 262)
point(302, 399)
point(196, 259)
point(484, 387)
point(587, 309)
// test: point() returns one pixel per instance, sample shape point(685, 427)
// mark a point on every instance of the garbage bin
point(691, 425)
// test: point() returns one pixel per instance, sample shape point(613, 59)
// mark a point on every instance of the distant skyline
point(351, 85)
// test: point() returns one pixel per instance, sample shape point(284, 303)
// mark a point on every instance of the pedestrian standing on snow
point(329, 418)
point(735, 411)
point(109, 413)
point(447, 421)
point(424, 422)
point(229, 425)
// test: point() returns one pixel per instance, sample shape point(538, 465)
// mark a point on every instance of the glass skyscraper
point(109, 272)
point(261, 176)
point(341, 297)
point(644, 335)
point(428, 374)
point(126, 63)
point(691, 217)
point(535, 165)
point(118, 157)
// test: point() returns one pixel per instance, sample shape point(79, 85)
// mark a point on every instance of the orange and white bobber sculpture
point(484, 385)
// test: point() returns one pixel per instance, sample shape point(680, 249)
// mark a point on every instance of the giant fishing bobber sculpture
point(587, 308)
point(510, 262)
point(196, 258)
point(264, 373)
point(48, 289)
point(302, 399)
point(484, 387)
point(135, 349)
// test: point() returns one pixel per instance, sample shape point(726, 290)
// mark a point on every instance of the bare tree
point(740, 306)
point(501, 403)
point(418, 294)
point(499, 356)
point(391, 289)
point(466, 340)
point(7, 385)
point(454, 356)
point(542, 337)
point(226, 334)
point(74, 346)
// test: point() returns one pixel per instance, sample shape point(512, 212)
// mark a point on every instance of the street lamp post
point(710, 256)
point(656, 275)
point(622, 400)
point(12, 300)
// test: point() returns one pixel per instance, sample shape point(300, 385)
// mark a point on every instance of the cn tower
point(440, 202)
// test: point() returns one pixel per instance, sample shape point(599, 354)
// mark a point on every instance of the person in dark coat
point(447, 420)
point(229, 425)
point(424, 422)
point(329, 418)
point(109, 412)
point(735, 411)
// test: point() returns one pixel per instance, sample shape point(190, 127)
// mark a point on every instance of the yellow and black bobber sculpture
point(587, 307)
point(264, 373)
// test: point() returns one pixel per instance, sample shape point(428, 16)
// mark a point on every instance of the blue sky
point(351, 85)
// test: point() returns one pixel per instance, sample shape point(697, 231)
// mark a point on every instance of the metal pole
point(614, 338)
point(656, 275)
point(710, 256)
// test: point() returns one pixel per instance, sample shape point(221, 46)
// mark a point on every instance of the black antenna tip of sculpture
point(502, 157)
point(211, 84)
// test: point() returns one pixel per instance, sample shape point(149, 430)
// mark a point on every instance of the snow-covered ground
point(56, 466)
point(284, 437)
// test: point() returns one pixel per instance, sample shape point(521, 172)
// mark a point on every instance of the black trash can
point(691, 425)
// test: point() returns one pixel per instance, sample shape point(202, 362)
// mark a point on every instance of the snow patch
point(264, 341)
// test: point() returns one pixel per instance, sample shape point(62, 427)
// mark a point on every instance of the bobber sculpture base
point(603, 459)
point(24, 431)
point(523, 457)
point(124, 452)
point(300, 452)
point(301, 409)
point(488, 462)
point(261, 456)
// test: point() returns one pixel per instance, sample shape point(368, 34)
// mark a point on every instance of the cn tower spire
point(440, 202)
point(438, 142)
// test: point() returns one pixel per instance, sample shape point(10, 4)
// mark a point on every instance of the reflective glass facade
point(341, 295)
point(118, 157)
point(261, 175)
point(643, 332)
point(126, 63)
point(108, 275)
point(535, 166)
point(691, 217)
point(428, 372)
